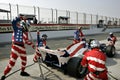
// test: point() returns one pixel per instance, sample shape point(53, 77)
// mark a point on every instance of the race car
point(67, 59)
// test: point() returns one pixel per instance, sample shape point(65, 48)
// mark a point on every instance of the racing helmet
point(79, 28)
point(44, 36)
point(111, 34)
point(94, 44)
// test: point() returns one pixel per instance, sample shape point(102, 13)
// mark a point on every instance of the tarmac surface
point(113, 64)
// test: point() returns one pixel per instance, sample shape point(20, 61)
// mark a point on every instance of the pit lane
point(112, 63)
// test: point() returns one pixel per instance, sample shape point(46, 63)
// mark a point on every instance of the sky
point(100, 7)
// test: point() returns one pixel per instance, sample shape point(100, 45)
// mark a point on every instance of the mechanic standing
point(19, 39)
point(40, 42)
point(112, 39)
point(78, 35)
point(95, 61)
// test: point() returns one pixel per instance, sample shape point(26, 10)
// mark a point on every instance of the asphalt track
point(5, 48)
point(112, 63)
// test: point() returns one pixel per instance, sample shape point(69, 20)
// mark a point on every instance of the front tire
point(110, 51)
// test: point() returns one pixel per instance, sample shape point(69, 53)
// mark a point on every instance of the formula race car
point(67, 59)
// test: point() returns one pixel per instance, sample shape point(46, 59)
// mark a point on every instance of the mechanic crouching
point(95, 61)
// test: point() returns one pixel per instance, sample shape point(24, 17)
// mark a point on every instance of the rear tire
point(74, 68)
point(110, 51)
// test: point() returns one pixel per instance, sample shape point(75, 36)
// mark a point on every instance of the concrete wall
point(6, 37)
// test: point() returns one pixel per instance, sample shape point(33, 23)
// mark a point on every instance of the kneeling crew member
point(95, 61)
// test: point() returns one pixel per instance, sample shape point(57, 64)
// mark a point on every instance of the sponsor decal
point(41, 27)
point(6, 29)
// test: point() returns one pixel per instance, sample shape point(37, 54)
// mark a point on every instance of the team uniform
point(19, 39)
point(95, 61)
point(112, 39)
point(78, 36)
point(40, 43)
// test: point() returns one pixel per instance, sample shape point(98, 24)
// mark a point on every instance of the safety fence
point(51, 16)
point(52, 19)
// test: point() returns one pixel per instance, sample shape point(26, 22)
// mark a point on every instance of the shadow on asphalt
point(117, 56)
point(112, 61)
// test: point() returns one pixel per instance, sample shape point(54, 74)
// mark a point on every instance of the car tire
point(75, 69)
point(103, 47)
point(110, 51)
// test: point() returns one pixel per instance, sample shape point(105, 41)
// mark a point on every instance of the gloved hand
point(38, 32)
point(66, 54)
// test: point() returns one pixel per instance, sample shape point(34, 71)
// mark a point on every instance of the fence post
point(52, 14)
point(84, 18)
point(56, 16)
point(34, 10)
point(106, 20)
point(39, 15)
point(112, 21)
point(17, 9)
point(77, 17)
point(119, 22)
point(66, 13)
point(10, 11)
point(110, 18)
point(69, 16)
point(97, 19)
point(91, 18)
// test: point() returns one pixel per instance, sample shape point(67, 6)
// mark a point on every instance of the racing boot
point(3, 78)
point(24, 73)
